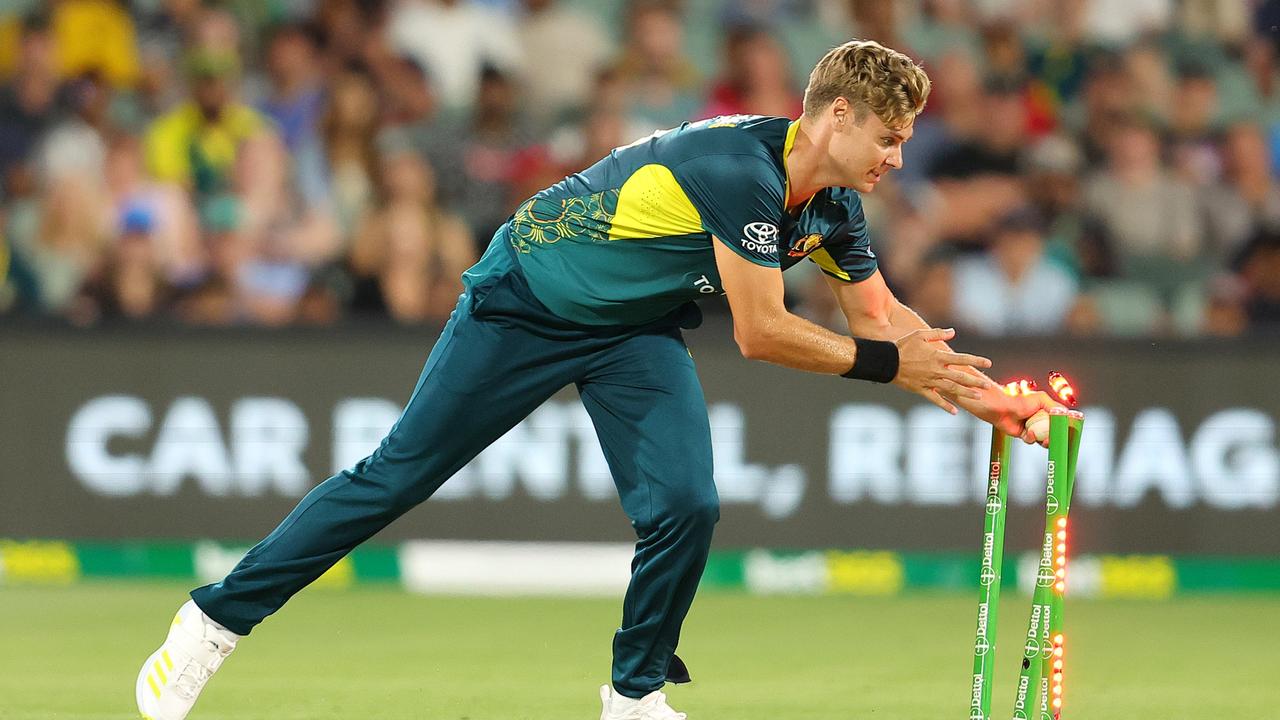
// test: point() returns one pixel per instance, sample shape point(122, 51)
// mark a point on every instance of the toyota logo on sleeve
point(761, 237)
point(761, 232)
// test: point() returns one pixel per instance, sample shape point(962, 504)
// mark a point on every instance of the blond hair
point(873, 78)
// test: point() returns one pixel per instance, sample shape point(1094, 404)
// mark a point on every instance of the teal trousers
point(501, 355)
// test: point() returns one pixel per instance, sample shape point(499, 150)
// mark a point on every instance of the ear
point(841, 111)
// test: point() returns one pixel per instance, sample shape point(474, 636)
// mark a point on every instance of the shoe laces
point(194, 674)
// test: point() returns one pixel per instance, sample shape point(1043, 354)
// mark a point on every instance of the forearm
point(794, 342)
point(890, 323)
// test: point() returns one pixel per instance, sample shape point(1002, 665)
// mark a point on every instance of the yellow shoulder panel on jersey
point(652, 204)
point(787, 144)
point(828, 263)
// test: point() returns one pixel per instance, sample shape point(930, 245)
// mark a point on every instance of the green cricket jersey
point(628, 240)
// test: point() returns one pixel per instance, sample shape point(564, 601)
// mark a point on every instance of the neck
point(806, 163)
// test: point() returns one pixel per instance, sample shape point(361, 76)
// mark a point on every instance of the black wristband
point(877, 360)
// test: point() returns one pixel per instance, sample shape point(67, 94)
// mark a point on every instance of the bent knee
point(690, 509)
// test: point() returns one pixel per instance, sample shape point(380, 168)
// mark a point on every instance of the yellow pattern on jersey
point(652, 204)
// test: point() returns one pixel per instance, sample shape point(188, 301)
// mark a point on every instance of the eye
point(886, 141)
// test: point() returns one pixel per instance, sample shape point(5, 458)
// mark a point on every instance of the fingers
point(953, 388)
point(968, 379)
point(928, 367)
point(935, 335)
point(933, 397)
point(1029, 438)
point(983, 378)
point(955, 358)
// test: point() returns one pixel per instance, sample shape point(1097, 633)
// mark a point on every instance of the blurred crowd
point(1092, 167)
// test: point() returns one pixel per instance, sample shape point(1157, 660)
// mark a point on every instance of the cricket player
point(590, 283)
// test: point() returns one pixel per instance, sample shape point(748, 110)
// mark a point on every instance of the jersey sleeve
point(739, 199)
point(847, 255)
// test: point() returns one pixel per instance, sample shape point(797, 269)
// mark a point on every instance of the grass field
point(72, 652)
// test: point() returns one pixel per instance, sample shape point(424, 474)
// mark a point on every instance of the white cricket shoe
point(650, 707)
point(172, 678)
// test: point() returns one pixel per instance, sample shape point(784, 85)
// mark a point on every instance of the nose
point(895, 158)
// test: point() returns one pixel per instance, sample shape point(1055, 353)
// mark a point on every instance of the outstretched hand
point(1009, 413)
point(928, 368)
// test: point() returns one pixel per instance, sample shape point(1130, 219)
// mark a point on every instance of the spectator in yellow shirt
point(197, 143)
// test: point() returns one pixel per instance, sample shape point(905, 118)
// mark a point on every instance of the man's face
point(1016, 251)
point(290, 56)
point(865, 151)
point(211, 94)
